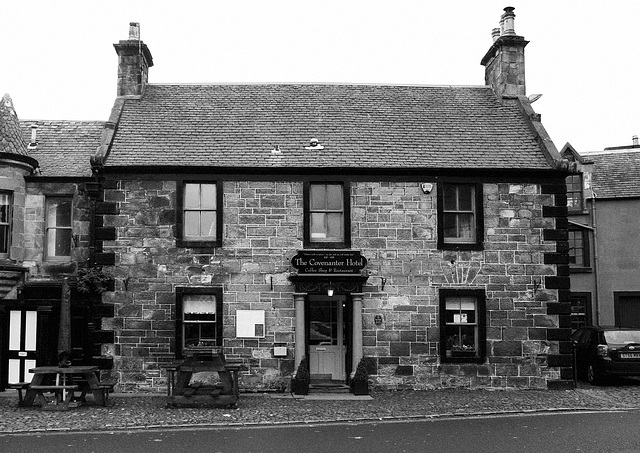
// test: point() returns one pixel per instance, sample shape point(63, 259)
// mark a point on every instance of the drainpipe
point(595, 258)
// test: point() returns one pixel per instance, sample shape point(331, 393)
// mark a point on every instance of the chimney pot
point(495, 34)
point(134, 31)
point(507, 21)
point(634, 140)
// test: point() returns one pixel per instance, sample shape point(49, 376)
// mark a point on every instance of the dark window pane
point(4, 239)
point(465, 198)
point(450, 198)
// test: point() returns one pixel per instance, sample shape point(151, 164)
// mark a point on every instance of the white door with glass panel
point(327, 352)
point(23, 329)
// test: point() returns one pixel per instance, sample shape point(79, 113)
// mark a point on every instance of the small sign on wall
point(250, 324)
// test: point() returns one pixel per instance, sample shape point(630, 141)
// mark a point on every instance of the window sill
point(197, 244)
point(460, 246)
point(580, 270)
point(474, 359)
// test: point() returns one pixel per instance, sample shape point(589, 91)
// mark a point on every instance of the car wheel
point(593, 376)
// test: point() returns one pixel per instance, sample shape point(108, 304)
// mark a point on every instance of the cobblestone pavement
point(127, 411)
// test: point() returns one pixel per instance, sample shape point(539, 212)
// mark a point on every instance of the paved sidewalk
point(135, 411)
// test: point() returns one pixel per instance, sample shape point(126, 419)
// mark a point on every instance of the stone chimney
point(134, 61)
point(504, 62)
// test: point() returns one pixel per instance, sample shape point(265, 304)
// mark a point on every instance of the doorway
point(327, 337)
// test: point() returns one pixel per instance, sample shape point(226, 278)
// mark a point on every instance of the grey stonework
point(393, 224)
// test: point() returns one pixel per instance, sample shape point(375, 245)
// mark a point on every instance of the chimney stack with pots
point(504, 62)
point(134, 61)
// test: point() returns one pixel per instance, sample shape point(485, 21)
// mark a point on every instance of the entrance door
point(327, 351)
point(23, 328)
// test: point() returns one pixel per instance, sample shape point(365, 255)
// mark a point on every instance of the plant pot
point(299, 388)
point(360, 388)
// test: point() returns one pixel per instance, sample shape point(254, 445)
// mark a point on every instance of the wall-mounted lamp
point(330, 290)
point(383, 281)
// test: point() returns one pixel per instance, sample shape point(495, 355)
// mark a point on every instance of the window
point(626, 307)
point(574, 192)
point(198, 319)
point(579, 249)
point(58, 228)
point(460, 219)
point(200, 222)
point(462, 325)
point(580, 310)
point(326, 215)
point(5, 224)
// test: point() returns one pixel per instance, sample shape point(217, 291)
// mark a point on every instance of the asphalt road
point(562, 432)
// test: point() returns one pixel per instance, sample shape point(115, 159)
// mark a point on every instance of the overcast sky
point(58, 62)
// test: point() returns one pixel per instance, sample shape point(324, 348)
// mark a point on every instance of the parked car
point(603, 352)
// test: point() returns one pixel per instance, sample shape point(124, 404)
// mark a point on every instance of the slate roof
point(11, 140)
point(64, 147)
point(358, 125)
point(616, 175)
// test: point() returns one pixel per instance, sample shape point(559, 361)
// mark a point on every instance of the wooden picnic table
point(62, 386)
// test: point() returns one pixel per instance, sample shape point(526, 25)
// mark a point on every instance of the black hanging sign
point(329, 262)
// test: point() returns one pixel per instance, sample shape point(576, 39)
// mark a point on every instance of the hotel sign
point(329, 262)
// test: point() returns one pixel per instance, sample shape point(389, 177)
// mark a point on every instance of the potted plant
point(302, 379)
point(360, 380)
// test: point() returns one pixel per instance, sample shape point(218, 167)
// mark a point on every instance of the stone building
point(423, 228)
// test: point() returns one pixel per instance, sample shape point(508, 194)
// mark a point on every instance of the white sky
point(58, 62)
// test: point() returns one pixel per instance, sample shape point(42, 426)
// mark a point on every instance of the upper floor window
point(5, 223)
point(200, 222)
point(460, 218)
point(58, 228)
point(462, 325)
point(198, 319)
point(574, 192)
point(579, 249)
point(326, 215)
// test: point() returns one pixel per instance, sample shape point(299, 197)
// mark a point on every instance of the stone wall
point(33, 238)
point(393, 225)
point(12, 180)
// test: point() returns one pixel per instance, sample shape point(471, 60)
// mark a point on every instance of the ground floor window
point(462, 325)
point(580, 310)
point(198, 319)
point(626, 305)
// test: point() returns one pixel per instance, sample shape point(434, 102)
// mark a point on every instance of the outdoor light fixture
point(330, 290)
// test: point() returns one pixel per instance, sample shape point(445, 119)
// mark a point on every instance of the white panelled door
point(23, 329)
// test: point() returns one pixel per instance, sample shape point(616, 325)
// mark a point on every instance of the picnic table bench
point(183, 392)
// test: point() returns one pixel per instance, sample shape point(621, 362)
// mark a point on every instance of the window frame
point(481, 324)
point(181, 241)
point(209, 291)
point(346, 209)
point(47, 227)
point(478, 212)
point(618, 298)
point(575, 194)
point(9, 223)
point(585, 266)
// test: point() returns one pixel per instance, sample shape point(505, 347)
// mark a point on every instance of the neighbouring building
point(423, 228)
point(603, 236)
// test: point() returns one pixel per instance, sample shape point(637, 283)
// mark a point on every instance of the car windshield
point(622, 336)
